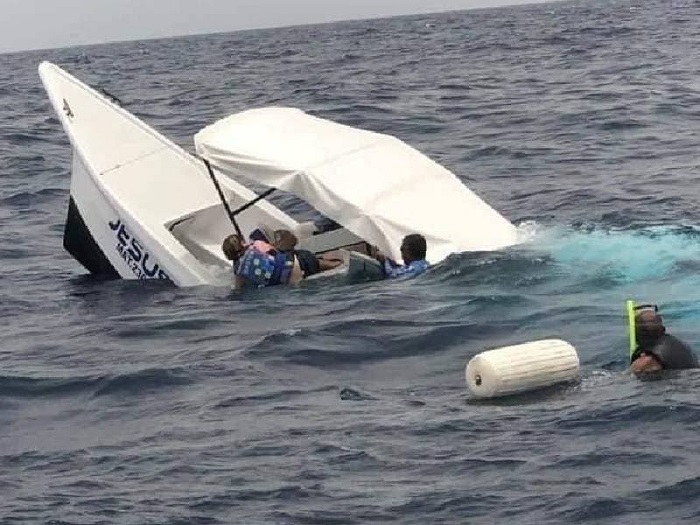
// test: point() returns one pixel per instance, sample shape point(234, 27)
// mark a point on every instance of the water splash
point(652, 264)
point(656, 252)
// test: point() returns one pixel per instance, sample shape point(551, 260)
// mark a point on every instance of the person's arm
point(412, 269)
point(328, 264)
point(392, 269)
point(238, 282)
point(645, 364)
point(376, 253)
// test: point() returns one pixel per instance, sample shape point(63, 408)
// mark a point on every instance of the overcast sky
point(41, 24)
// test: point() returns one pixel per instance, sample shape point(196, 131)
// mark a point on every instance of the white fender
point(519, 368)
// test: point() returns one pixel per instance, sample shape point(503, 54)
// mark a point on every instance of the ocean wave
point(26, 199)
point(131, 383)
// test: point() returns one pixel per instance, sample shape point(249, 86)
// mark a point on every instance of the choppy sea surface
point(141, 403)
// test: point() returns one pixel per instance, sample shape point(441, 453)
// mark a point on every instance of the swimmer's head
point(284, 240)
point(232, 247)
point(413, 248)
point(649, 326)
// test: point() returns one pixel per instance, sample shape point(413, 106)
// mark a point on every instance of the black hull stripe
point(79, 242)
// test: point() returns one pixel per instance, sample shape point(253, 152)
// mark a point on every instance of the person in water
point(254, 263)
point(656, 349)
point(413, 249)
point(260, 263)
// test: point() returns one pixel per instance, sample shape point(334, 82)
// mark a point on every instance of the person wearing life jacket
point(259, 263)
point(656, 349)
point(306, 263)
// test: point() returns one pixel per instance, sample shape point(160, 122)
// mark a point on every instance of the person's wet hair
point(232, 247)
point(415, 245)
point(285, 240)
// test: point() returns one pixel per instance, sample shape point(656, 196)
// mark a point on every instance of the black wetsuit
point(671, 352)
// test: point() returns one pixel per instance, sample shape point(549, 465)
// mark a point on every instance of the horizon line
point(264, 27)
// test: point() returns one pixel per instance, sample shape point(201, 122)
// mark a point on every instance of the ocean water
point(141, 403)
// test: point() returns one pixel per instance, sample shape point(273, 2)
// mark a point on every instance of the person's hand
point(328, 263)
point(645, 364)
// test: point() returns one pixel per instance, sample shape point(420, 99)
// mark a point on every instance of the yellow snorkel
point(631, 326)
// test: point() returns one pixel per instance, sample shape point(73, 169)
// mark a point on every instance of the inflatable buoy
point(519, 368)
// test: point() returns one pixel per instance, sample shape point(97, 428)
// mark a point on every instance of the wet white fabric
point(373, 184)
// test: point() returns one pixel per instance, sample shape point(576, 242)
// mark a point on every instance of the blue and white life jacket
point(265, 269)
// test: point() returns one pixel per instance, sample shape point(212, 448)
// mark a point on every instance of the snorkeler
point(656, 349)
